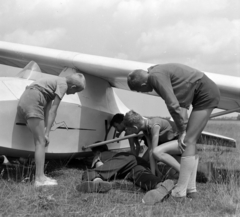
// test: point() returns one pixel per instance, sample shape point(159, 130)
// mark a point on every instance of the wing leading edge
point(113, 70)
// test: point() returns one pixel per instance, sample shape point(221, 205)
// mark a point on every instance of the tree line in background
point(219, 118)
point(228, 118)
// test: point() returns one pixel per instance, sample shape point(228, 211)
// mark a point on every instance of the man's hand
point(96, 159)
point(46, 140)
point(181, 143)
point(118, 134)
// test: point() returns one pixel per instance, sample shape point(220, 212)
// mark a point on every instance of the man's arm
point(137, 145)
point(146, 155)
point(46, 112)
point(96, 161)
point(162, 85)
point(134, 145)
point(52, 115)
point(154, 143)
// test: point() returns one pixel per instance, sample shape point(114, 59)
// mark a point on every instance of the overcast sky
point(201, 34)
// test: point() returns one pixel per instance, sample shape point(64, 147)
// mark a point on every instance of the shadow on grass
point(126, 186)
point(24, 170)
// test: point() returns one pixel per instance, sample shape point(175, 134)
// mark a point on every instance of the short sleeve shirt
point(168, 130)
point(50, 87)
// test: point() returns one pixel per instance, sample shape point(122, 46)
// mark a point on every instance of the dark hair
point(117, 118)
point(100, 148)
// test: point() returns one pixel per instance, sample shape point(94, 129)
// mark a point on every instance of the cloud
point(201, 33)
point(129, 10)
point(205, 40)
point(121, 56)
point(38, 38)
point(30, 8)
point(162, 11)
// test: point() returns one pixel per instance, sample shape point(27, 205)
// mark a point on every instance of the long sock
point(186, 168)
point(192, 180)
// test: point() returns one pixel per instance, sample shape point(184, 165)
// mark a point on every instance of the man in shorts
point(38, 108)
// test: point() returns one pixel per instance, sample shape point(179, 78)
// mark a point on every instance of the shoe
point(168, 184)
point(192, 195)
point(47, 182)
point(98, 187)
point(51, 180)
point(178, 199)
point(159, 194)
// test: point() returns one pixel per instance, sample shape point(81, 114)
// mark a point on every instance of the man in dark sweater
point(110, 165)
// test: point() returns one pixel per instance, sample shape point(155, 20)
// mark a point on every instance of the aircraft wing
point(113, 70)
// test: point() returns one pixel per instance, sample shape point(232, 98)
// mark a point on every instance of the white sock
point(186, 168)
point(192, 180)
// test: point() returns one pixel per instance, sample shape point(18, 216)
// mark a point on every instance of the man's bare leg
point(36, 126)
point(196, 123)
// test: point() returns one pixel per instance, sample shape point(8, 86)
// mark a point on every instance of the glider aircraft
point(82, 118)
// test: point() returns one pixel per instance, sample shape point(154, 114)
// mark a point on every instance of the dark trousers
point(121, 166)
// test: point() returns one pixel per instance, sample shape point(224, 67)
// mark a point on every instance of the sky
point(202, 34)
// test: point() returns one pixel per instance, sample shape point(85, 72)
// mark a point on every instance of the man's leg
point(196, 123)
point(159, 194)
point(97, 186)
point(164, 154)
point(93, 183)
point(90, 175)
point(191, 188)
point(36, 126)
point(98, 178)
point(120, 165)
point(157, 190)
point(143, 178)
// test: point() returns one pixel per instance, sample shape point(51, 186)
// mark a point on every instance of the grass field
point(22, 199)
point(228, 128)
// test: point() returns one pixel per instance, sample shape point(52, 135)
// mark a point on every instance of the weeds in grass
point(22, 199)
point(220, 198)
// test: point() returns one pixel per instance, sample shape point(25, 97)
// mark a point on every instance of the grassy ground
point(228, 128)
point(22, 199)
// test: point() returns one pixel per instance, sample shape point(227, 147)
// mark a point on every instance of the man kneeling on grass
point(110, 165)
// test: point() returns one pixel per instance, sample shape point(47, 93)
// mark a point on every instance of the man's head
point(133, 122)
point(138, 81)
point(117, 122)
point(76, 83)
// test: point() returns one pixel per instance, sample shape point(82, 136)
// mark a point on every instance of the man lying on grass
point(110, 165)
